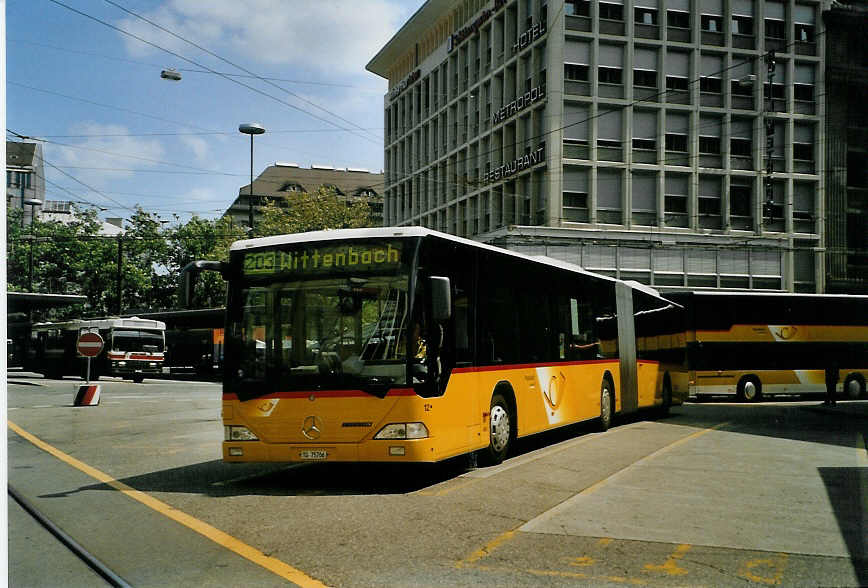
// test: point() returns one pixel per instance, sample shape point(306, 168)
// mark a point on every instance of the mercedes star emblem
point(312, 428)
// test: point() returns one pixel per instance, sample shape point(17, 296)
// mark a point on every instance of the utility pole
point(120, 277)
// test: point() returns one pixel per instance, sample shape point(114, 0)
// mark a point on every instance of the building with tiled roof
point(281, 179)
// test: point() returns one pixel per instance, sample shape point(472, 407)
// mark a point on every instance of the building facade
point(281, 179)
point(25, 177)
point(675, 142)
point(847, 148)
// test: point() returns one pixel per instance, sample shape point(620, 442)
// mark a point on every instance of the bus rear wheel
point(605, 406)
point(138, 378)
point(749, 389)
point(854, 387)
point(500, 433)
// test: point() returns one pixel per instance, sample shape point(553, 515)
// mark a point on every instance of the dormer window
point(291, 187)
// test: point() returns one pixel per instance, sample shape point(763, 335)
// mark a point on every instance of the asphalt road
point(716, 494)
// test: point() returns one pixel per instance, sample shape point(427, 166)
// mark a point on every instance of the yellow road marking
point(252, 554)
point(604, 541)
point(751, 569)
point(447, 490)
point(618, 579)
point(670, 568)
point(486, 549)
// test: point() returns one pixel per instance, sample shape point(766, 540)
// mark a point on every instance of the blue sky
point(173, 147)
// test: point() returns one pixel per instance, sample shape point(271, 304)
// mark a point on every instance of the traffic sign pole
point(90, 345)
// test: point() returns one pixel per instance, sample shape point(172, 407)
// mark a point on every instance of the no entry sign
point(89, 344)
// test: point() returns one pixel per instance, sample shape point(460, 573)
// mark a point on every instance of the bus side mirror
point(441, 298)
point(190, 274)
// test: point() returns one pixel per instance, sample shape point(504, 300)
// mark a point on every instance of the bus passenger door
point(628, 391)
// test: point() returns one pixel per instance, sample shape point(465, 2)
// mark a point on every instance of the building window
point(742, 25)
point(577, 7)
point(710, 85)
point(709, 145)
point(739, 200)
point(575, 199)
point(803, 92)
point(646, 16)
point(709, 205)
point(645, 78)
point(676, 83)
point(712, 23)
point(676, 142)
point(610, 75)
point(778, 91)
point(575, 72)
point(678, 19)
point(803, 151)
point(611, 11)
point(740, 147)
point(675, 203)
point(804, 33)
point(776, 29)
point(739, 88)
point(649, 144)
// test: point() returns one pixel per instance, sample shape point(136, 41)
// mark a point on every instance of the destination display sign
point(325, 258)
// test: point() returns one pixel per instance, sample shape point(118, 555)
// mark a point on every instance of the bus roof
point(407, 232)
point(106, 323)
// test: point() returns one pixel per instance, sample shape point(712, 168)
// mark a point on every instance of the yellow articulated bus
point(752, 345)
point(409, 345)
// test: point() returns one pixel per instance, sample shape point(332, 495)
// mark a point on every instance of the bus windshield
point(330, 330)
point(137, 340)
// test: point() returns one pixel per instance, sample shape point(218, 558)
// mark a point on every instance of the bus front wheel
point(500, 431)
point(749, 389)
point(138, 378)
point(854, 387)
point(605, 405)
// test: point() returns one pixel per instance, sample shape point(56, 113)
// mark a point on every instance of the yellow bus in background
point(405, 344)
point(752, 345)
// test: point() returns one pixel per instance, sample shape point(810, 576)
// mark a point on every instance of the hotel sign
point(509, 110)
point(513, 167)
point(456, 38)
point(396, 91)
point(529, 36)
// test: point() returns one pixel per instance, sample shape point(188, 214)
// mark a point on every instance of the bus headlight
point(238, 433)
point(122, 363)
point(403, 431)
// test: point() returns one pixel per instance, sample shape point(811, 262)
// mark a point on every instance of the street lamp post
point(32, 203)
point(251, 129)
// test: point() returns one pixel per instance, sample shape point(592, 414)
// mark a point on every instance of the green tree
point(321, 210)
point(202, 239)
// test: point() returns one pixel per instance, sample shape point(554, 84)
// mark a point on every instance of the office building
point(846, 148)
point(25, 177)
point(675, 142)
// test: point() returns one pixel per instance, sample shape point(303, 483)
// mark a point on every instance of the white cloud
point(199, 147)
point(335, 36)
point(107, 155)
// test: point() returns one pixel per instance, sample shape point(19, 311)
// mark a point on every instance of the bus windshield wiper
point(377, 386)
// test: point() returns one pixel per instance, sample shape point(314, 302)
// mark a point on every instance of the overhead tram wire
point(202, 133)
point(235, 65)
point(197, 64)
point(181, 69)
point(110, 106)
point(128, 156)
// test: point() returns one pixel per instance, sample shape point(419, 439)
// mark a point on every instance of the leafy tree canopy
point(75, 258)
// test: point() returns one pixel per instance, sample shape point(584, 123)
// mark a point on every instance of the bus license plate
point(313, 454)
